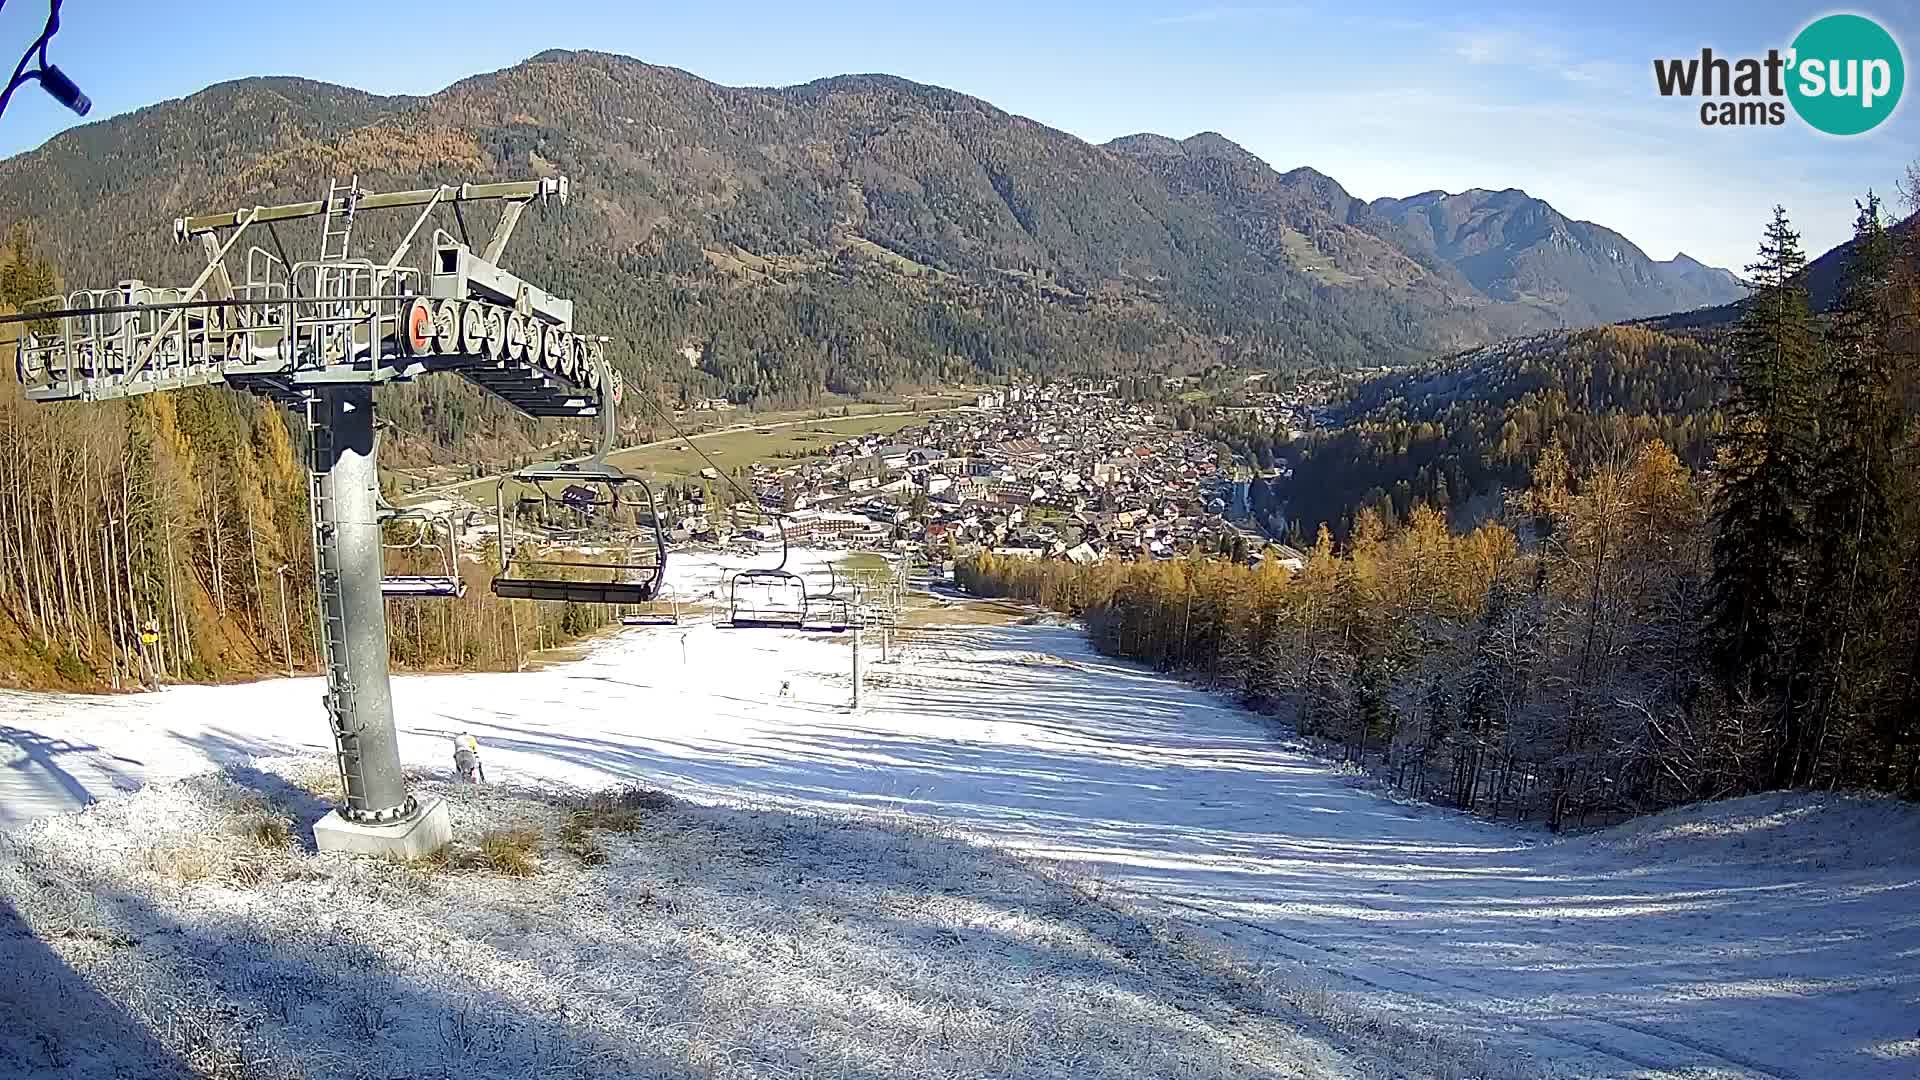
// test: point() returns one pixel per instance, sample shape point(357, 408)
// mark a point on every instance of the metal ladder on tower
point(336, 222)
point(333, 630)
point(336, 237)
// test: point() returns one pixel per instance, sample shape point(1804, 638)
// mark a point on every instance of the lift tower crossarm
point(545, 187)
point(216, 261)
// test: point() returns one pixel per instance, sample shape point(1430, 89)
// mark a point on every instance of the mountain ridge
point(836, 236)
point(1698, 283)
point(1513, 246)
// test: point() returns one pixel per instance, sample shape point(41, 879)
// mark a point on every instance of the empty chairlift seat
point(828, 613)
point(425, 538)
point(583, 532)
point(763, 597)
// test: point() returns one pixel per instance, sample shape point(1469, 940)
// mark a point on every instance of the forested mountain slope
point(1516, 248)
point(1450, 433)
point(1469, 267)
point(845, 235)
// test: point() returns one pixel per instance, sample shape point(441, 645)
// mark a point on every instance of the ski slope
point(1767, 937)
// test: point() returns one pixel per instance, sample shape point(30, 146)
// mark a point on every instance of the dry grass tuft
point(633, 797)
point(249, 870)
point(576, 839)
point(250, 852)
point(182, 862)
point(268, 830)
point(510, 852)
point(615, 819)
point(618, 810)
point(438, 861)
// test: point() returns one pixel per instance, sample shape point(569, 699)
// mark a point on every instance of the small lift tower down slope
point(317, 336)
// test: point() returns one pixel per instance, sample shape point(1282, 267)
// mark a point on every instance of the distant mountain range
point(1463, 428)
point(1503, 247)
point(863, 231)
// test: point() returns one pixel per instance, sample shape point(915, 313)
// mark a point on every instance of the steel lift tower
point(317, 336)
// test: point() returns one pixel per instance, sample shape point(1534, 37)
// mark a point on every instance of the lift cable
point(715, 466)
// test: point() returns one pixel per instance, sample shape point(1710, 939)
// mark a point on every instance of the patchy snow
point(703, 942)
point(697, 574)
point(1777, 936)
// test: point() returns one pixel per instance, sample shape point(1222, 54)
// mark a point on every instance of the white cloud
point(1535, 52)
point(1505, 47)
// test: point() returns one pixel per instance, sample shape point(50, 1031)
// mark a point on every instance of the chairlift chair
point(788, 608)
point(660, 611)
point(593, 502)
point(445, 584)
point(830, 613)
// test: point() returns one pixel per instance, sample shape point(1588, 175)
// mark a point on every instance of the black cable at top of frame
point(54, 81)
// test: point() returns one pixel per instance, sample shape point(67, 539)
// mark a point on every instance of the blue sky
point(1388, 98)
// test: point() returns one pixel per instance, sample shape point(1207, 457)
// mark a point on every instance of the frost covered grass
point(621, 810)
point(512, 852)
point(189, 929)
point(1774, 936)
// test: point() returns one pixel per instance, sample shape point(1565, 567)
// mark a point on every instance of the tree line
point(1628, 632)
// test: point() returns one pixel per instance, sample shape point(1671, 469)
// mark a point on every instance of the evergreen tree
point(1855, 515)
point(1764, 459)
point(25, 275)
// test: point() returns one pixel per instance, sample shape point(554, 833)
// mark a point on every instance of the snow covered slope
point(1771, 937)
point(695, 942)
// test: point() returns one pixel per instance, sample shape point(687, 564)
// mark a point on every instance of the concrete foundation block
point(426, 832)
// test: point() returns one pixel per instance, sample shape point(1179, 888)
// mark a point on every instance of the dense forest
point(1451, 435)
point(1631, 632)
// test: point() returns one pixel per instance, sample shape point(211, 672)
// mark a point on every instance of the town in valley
point(1071, 470)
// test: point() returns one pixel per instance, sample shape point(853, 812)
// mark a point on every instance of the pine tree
point(1765, 469)
point(1855, 514)
point(25, 275)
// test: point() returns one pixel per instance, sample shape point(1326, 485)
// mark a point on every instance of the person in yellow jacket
point(466, 759)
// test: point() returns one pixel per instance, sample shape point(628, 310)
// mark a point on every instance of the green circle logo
point(1846, 74)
